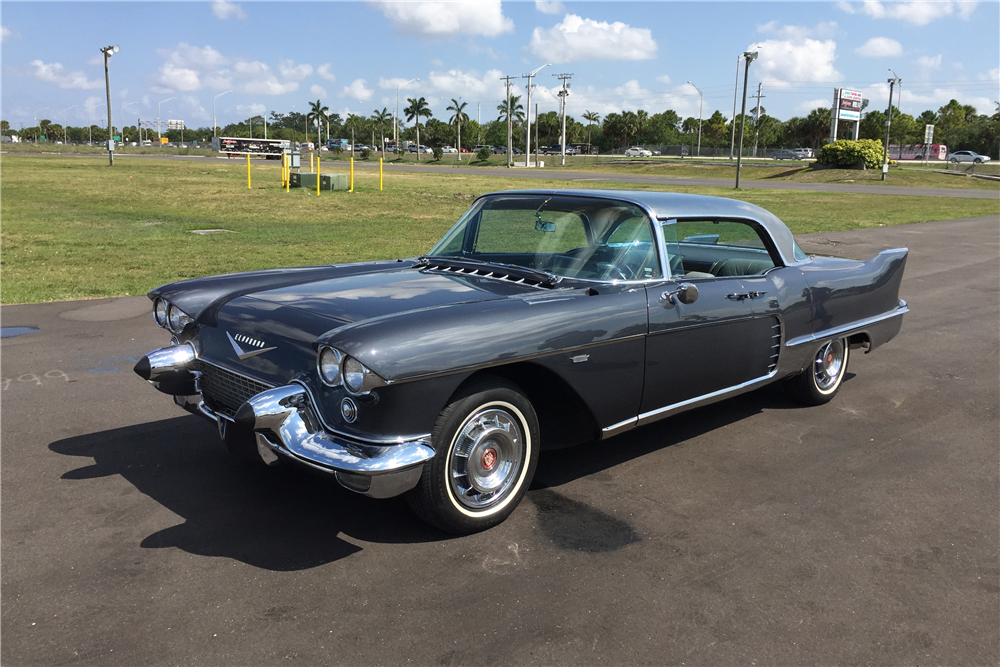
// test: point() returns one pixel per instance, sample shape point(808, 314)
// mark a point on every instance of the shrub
point(400, 151)
point(366, 153)
point(438, 153)
point(849, 153)
point(484, 154)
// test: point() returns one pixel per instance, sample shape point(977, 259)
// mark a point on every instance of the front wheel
point(486, 443)
point(819, 383)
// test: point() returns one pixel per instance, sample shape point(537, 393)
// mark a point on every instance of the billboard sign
point(849, 105)
point(175, 125)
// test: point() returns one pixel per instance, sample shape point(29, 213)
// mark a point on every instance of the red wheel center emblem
point(489, 459)
point(829, 359)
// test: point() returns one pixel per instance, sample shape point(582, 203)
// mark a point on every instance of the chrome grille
point(225, 391)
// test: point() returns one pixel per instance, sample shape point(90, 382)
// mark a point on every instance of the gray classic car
point(542, 319)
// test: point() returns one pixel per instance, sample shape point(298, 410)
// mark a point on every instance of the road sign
point(928, 134)
point(175, 125)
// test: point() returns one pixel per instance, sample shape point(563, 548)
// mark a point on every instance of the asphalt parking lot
point(748, 532)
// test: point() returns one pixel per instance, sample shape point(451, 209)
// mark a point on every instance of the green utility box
point(307, 179)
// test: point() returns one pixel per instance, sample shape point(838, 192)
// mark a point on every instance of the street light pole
point(701, 104)
point(213, 111)
point(159, 135)
point(527, 138)
point(395, 118)
point(888, 123)
point(736, 90)
point(63, 114)
point(109, 51)
point(749, 58)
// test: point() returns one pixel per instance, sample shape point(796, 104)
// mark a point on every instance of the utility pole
point(108, 51)
point(527, 134)
point(748, 58)
point(510, 126)
point(756, 117)
point(736, 90)
point(888, 123)
point(563, 94)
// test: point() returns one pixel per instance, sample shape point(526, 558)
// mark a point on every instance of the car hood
point(354, 298)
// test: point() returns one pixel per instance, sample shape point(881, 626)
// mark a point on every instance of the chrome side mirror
point(685, 293)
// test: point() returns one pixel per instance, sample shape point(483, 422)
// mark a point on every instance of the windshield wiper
point(487, 268)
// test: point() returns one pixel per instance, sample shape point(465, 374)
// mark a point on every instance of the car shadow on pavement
point(278, 518)
point(558, 467)
point(285, 519)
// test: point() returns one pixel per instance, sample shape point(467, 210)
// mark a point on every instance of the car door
point(719, 341)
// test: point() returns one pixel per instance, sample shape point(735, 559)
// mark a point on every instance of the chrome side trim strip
point(899, 311)
point(620, 427)
point(660, 413)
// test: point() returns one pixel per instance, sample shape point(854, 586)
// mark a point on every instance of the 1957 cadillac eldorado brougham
point(541, 320)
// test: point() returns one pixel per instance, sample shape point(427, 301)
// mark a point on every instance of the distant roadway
point(585, 177)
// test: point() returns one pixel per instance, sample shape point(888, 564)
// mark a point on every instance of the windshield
point(572, 237)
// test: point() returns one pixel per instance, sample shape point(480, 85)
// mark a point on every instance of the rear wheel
point(486, 443)
point(819, 383)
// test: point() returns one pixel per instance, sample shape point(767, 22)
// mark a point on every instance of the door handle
point(745, 295)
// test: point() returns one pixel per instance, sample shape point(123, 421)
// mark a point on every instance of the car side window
point(715, 248)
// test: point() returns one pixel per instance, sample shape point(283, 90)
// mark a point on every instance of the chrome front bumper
point(287, 425)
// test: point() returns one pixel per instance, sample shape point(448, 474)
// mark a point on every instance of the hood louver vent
point(487, 273)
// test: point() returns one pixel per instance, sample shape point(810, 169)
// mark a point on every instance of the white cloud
point(992, 76)
point(879, 47)
point(268, 86)
point(549, 7)
point(390, 84)
point(577, 39)
point(357, 91)
point(629, 96)
point(251, 109)
point(459, 17)
point(437, 62)
point(178, 78)
point(317, 91)
point(809, 105)
point(822, 30)
point(228, 10)
point(193, 108)
point(57, 74)
point(797, 58)
point(7, 34)
point(193, 57)
point(663, 78)
point(928, 64)
point(292, 72)
point(916, 12)
point(325, 71)
point(92, 103)
point(469, 84)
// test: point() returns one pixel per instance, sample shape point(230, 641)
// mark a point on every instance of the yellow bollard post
point(288, 172)
point(351, 189)
point(317, 176)
point(248, 171)
point(380, 174)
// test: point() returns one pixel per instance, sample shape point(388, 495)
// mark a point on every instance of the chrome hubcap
point(486, 458)
point(829, 365)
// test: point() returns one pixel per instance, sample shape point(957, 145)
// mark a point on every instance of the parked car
point(449, 149)
point(785, 154)
point(636, 151)
point(542, 319)
point(493, 149)
point(413, 148)
point(804, 153)
point(967, 156)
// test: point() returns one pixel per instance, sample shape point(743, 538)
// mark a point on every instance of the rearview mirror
point(545, 226)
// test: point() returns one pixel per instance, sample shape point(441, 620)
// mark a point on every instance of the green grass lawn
point(75, 228)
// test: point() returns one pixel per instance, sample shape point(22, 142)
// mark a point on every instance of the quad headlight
point(336, 368)
point(328, 364)
point(160, 312)
point(177, 319)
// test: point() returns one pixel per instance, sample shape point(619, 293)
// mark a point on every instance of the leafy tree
point(381, 120)
point(457, 118)
point(716, 129)
point(417, 110)
point(591, 117)
point(317, 112)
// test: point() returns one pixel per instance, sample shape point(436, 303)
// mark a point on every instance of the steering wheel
point(610, 268)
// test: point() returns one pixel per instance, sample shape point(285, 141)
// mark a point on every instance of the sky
point(176, 58)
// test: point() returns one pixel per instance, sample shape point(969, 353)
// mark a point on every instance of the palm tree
point(416, 110)
point(381, 120)
point(591, 117)
point(456, 119)
point(515, 107)
point(317, 112)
